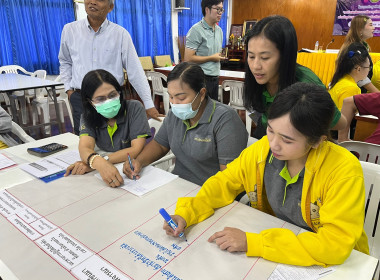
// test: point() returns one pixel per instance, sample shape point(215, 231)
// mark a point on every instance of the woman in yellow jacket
point(352, 68)
point(293, 173)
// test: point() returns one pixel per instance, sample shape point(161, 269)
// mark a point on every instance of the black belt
point(77, 89)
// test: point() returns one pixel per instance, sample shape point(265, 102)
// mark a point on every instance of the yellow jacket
point(344, 88)
point(332, 205)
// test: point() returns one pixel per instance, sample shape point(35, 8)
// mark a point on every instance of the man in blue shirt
point(204, 44)
point(97, 43)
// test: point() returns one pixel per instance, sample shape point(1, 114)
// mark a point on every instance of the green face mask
point(108, 109)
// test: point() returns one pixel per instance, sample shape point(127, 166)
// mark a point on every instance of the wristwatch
point(107, 158)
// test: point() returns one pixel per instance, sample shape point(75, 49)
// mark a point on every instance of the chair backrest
point(363, 151)
point(155, 125)
point(15, 69)
point(236, 93)
point(146, 63)
point(21, 134)
point(156, 78)
point(162, 60)
point(371, 174)
point(41, 74)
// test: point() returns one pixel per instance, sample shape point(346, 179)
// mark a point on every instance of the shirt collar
point(208, 112)
point(103, 26)
point(119, 120)
point(205, 24)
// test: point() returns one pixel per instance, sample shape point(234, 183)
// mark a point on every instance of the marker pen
point(170, 221)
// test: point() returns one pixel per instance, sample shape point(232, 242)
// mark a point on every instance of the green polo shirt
point(303, 74)
point(131, 125)
point(217, 138)
point(206, 41)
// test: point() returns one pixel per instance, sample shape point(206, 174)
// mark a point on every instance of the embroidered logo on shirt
point(82, 127)
point(202, 139)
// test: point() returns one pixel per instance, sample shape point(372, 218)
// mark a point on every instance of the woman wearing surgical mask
point(202, 133)
point(115, 125)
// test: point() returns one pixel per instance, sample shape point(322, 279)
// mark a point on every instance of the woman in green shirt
point(271, 66)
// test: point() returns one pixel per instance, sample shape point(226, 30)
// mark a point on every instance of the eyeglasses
point(101, 99)
point(219, 10)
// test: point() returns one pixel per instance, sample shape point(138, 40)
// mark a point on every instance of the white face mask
point(185, 111)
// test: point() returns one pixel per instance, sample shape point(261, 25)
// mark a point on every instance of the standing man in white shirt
point(204, 44)
point(96, 43)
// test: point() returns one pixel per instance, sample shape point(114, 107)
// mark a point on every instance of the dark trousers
point(76, 105)
point(212, 86)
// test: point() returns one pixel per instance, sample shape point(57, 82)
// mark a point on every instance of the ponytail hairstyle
point(355, 55)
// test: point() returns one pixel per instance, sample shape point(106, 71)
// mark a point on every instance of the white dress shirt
point(110, 48)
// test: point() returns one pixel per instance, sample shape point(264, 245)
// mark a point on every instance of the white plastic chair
point(236, 89)
point(16, 130)
point(364, 151)
point(16, 95)
point(21, 134)
point(167, 162)
point(158, 88)
point(41, 105)
point(371, 174)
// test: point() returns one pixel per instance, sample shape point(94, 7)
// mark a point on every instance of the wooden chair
point(365, 126)
point(163, 60)
point(146, 63)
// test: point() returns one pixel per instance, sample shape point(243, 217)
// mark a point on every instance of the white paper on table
point(5, 162)
point(10, 205)
point(65, 249)
point(150, 179)
point(51, 165)
point(98, 269)
point(285, 272)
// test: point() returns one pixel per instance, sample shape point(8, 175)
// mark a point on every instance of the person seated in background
point(5, 128)
point(202, 133)
point(115, 125)
point(297, 175)
point(271, 66)
point(365, 104)
point(361, 29)
point(352, 68)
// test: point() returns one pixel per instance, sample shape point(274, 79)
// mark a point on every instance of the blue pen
point(170, 221)
point(130, 164)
